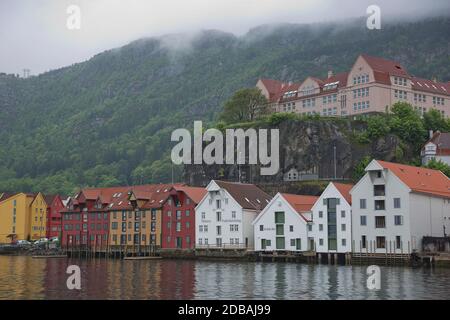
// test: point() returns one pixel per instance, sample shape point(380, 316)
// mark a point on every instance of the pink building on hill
point(372, 85)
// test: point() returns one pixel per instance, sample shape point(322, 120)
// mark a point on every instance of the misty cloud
point(33, 34)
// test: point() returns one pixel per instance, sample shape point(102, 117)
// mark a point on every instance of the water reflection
point(27, 278)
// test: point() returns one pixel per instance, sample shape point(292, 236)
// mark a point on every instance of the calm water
point(27, 278)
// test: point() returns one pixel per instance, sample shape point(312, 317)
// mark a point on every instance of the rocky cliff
point(308, 147)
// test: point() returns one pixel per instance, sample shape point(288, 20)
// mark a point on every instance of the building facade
point(55, 204)
point(38, 217)
point(284, 224)
point(394, 206)
point(437, 148)
point(15, 217)
point(178, 217)
point(332, 222)
point(372, 85)
point(223, 218)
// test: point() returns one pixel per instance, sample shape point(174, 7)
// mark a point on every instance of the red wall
point(183, 220)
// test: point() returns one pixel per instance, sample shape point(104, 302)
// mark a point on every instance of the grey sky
point(33, 33)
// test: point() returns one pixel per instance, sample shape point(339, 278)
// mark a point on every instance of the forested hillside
point(108, 120)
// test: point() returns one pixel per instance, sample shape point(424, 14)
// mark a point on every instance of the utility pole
point(335, 175)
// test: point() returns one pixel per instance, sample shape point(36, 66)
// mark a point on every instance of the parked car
point(41, 241)
point(54, 239)
point(23, 243)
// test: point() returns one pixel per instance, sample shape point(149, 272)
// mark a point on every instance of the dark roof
point(49, 198)
point(248, 196)
point(442, 142)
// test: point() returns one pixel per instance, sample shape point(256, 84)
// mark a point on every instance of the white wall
point(243, 218)
point(429, 215)
point(267, 219)
point(332, 192)
point(394, 189)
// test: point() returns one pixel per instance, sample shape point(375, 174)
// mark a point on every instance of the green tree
point(406, 123)
point(439, 165)
point(377, 127)
point(434, 120)
point(244, 106)
point(360, 169)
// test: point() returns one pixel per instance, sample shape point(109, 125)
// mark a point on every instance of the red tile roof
point(300, 203)
point(248, 196)
point(195, 194)
point(420, 180)
point(421, 84)
point(344, 189)
point(385, 66)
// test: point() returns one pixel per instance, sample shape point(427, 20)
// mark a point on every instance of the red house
point(55, 205)
point(86, 217)
point(178, 217)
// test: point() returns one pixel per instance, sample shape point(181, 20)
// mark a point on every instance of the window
point(379, 190)
point(218, 203)
point(219, 230)
point(115, 214)
point(291, 228)
point(363, 242)
point(397, 203)
point(261, 227)
point(362, 203)
point(380, 222)
point(398, 220)
point(169, 213)
point(200, 241)
point(203, 216)
point(233, 214)
point(200, 228)
point(205, 228)
point(320, 227)
point(219, 216)
point(320, 242)
point(363, 220)
point(398, 242)
point(178, 226)
point(279, 229)
point(381, 242)
point(188, 213)
point(279, 217)
point(188, 225)
point(309, 227)
point(343, 227)
point(379, 205)
point(344, 242)
point(218, 242)
point(320, 214)
point(342, 214)
point(178, 213)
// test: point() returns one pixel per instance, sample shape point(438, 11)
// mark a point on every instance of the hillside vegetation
point(107, 121)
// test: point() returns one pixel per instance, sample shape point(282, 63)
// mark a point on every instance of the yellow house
point(15, 216)
point(38, 217)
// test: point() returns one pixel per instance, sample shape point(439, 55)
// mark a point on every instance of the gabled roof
point(194, 193)
point(420, 180)
point(340, 77)
point(344, 189)
point(442, 142)
point(300, 203)
point(248, 196)
point(385, 66)
point(6, 195)
point(49, 198)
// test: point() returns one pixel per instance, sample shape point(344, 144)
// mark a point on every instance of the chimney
point(431, 133)
point(434, 79)
point(330, 74)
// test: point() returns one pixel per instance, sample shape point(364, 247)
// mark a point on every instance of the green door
point(179, 242)
point(280, 243)
point(263, 244)
point(298, 244)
